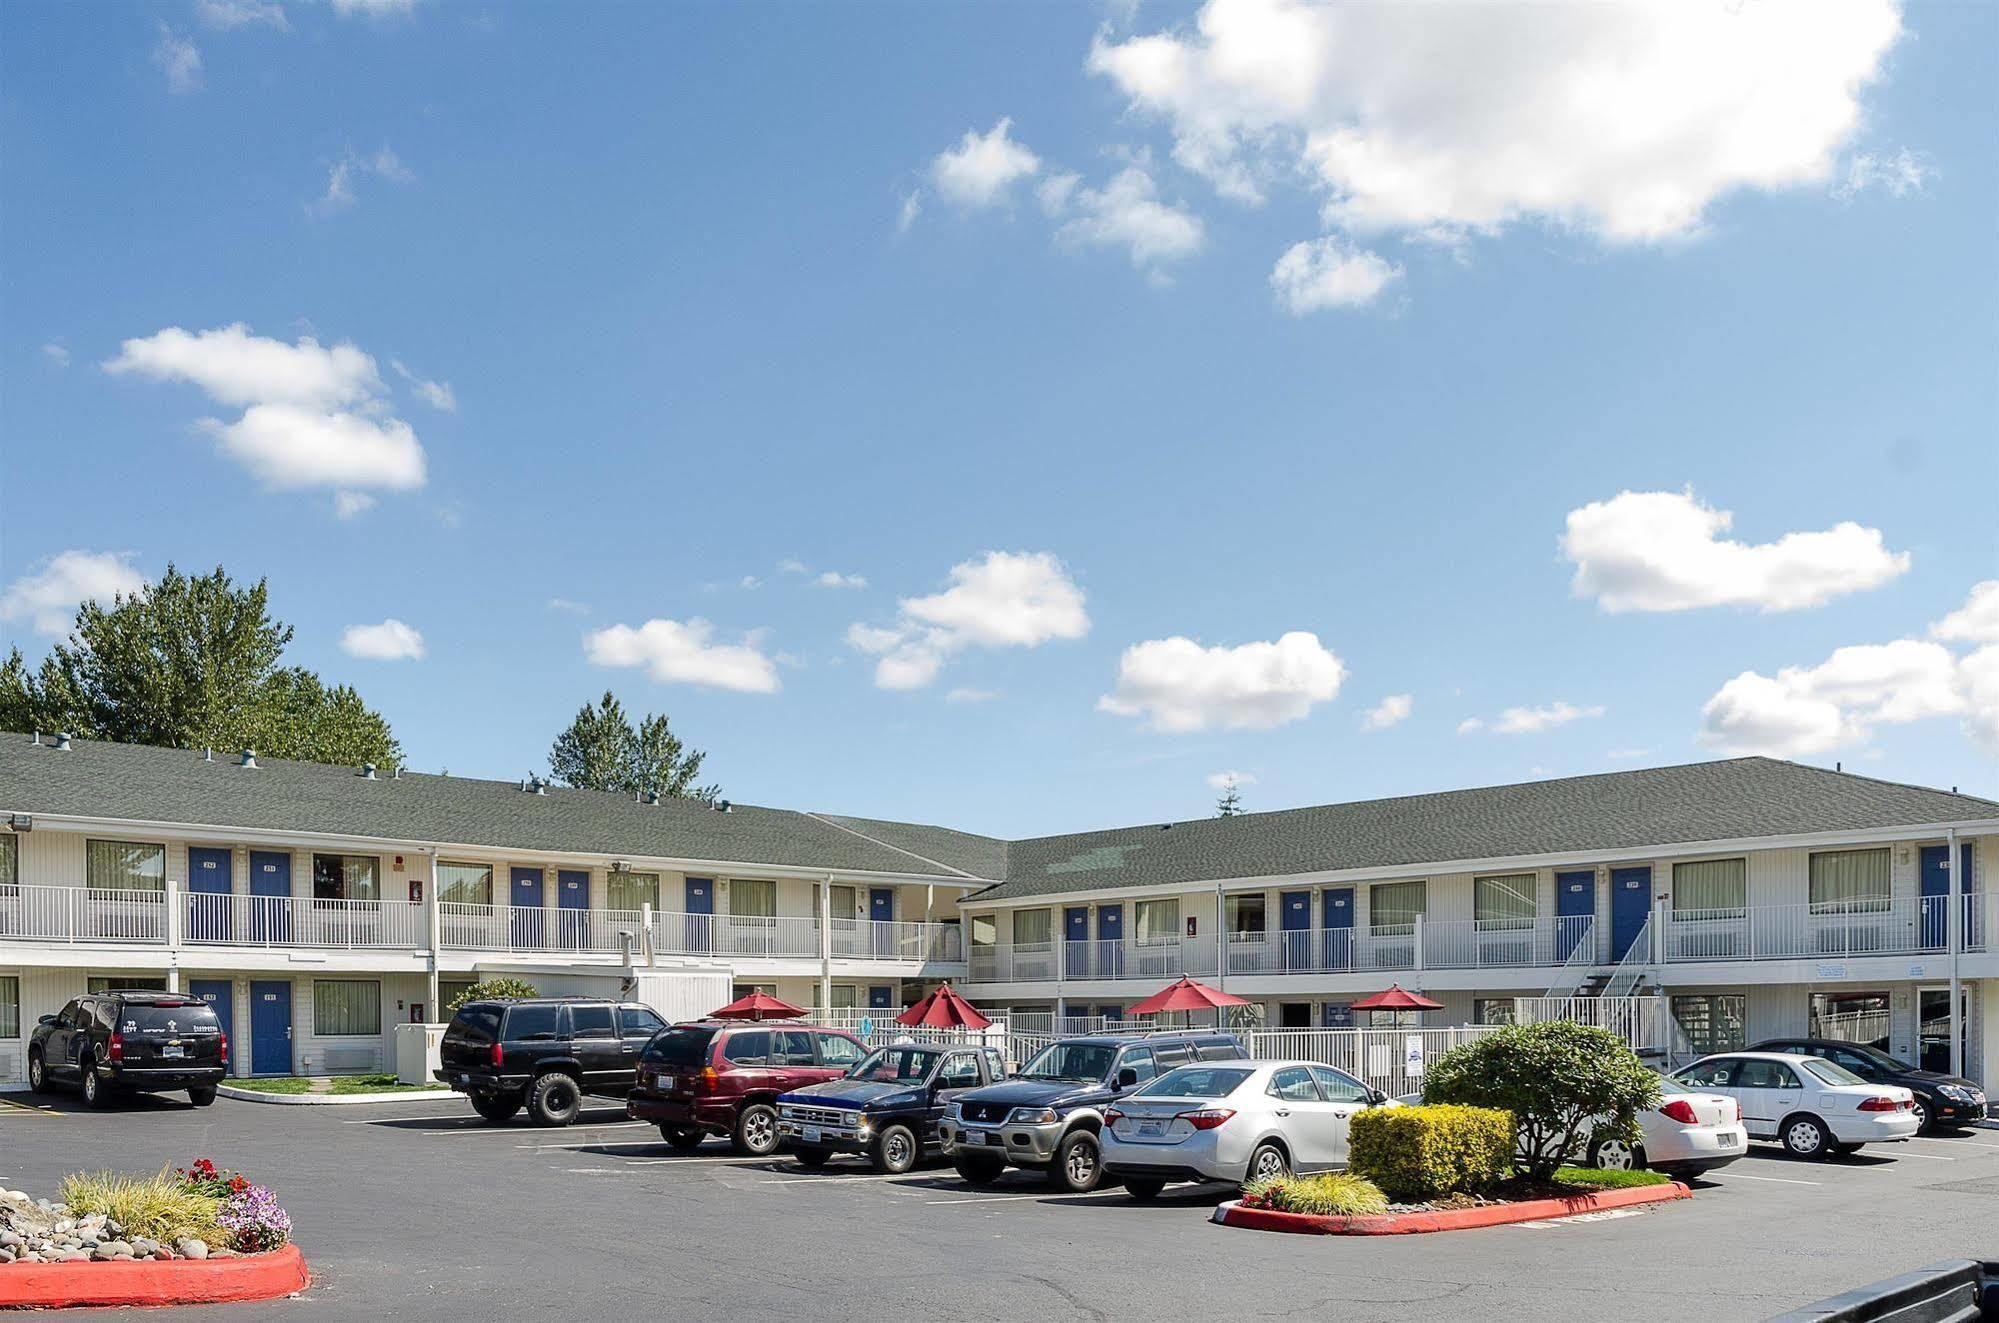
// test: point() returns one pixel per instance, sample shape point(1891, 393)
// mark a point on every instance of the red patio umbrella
point(759, 1005)
point(944, 1009)
point(1186, 995)
point(1397, 999)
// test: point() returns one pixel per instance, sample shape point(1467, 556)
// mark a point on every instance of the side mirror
point(1127, 1077)
point(1375, 1097)
point(48, 1019)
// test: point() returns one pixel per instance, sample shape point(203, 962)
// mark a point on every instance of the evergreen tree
point(1230, 804)
point(602, 750)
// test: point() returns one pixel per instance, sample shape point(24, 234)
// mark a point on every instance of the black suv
point(546, 1052)
point(1047, 1117)
point(131, 1041)
point(886, 1108)
point(1942, 1101)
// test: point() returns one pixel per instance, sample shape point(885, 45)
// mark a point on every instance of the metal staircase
point(1575, 971)
point(1635, 967)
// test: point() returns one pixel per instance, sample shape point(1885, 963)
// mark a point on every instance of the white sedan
point(1809, 1105)
point(1233, 1121)
point(1688, 1132)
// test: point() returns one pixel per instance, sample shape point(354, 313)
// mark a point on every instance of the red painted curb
point(1233, 1214)
point(152, 1281)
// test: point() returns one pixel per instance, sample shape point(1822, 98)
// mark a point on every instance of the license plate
point(1726, 1141)
point(811, 1134)
point(980, 1136)
point(1150, 1128)
point(172, 1052)
point(669, 1082)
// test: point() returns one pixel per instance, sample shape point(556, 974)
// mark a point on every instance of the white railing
point(533, 928)
point(882, 939)
point(1380, 1057)
point(1637, 962)
point(1910, 925)
point(1502, 943)
point(1639, 1021)
point(882, 1029)
point(1576, 968)
point(1035, 962)
point(539, 928)
point(232, 920)
point(82, 914)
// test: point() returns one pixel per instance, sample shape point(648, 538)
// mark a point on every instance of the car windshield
point(1071, 1061)
point(1196, 1082)
point(679, 1046)
point(1829, 1072)
point(908, 1065)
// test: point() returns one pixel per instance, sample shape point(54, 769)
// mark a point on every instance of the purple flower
point(254, 1221)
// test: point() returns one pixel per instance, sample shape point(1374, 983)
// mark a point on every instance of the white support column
point(176, 903)
point(826, 942)
point(433, 927)
point(1955, 928)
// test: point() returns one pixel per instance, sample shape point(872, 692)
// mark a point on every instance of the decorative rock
point(141, 1247)
point(6, 1255)
point(192, 1247)
point(9, 1239)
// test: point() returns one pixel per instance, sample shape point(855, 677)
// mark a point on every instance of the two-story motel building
point(319, 906)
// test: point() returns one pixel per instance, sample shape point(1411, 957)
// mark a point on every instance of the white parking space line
point(836, 1180)
point(1010, 1198)
point(1952, 1143)
point(1775, 1180)
point(1901, 1152)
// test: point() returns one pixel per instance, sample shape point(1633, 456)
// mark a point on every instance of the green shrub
point(491, 989)
point(162, 1207)
point(1418, 1153)
point(1590, 1178)
point(1560, 1080)
point(1331, 1194)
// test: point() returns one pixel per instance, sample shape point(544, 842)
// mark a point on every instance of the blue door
point(528, 912)
point(1294, 922)
point(881, 910)
point(1936, 895)
point(1336, 914)
point(270, 1028)
point(881, 997)
point(1110, 941)
point(699, 939)
point(1336, 1015)
point(1575, 905)
point(572, 902)
point(208, 891)
point(1630, 902)
point(1076, 941)
point(219, 997)
point(271, 888)
point(1111, 1014)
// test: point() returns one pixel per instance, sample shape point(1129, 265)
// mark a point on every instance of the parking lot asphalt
point(418, 1210)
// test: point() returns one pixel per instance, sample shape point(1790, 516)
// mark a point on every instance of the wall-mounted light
point(22, 822)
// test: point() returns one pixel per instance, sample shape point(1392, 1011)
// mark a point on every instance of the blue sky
point(1185, 333)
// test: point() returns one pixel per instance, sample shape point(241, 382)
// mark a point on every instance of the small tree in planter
point(492, 989)
point(1562, 1081)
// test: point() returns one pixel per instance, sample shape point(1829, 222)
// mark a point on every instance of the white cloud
point(1627, 755)
point(1664, 551)
point(1898, 175)
point(1127, 213)
point(966, 694)
point(791, 567)
point(437, 394)
point(1531, 720)
point(1625, 121)
point(179, 59)
point(979, 171)
point(1978, 679)
point(911, 208)
point(372, 8)
point(675, 653)
point(568, 606)
point(342, 174)
point(1329, 273)
point(48, 596)
point(348, 505)
point(1388, 712)
point(835, 579)
point(391, 640)
point(228, 14)
point(56, 352)
point(1003, 600)
point(1977, 621)
point(1180, 686)
point(750, 582)
point(1222, 780)
point(314, 414)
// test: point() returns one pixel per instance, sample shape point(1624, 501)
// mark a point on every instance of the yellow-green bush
point(1330, 1194)
point(1418, 1153)
point(162, 1207)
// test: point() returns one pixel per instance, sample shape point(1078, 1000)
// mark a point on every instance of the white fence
point(82, 914)
point(219, 919)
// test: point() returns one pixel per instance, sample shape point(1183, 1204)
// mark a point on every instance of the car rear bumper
point(1205, 1155)
point(698, 1113)
point(1696, 1148)
point(483, 1083)
point(148, 1079)
point(1873, 1127)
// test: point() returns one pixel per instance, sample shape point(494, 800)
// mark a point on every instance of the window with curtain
point(450, 990)
point(461, 884)
point(845, 996)
point(1849, 881)
point(346, 1007)
point(1394, 907)
point(985, 929)
point(630, 891)
point(1710, 889)
point(346, 877)
point(1712, 1024)
point(1032, 927)
point(10, 1007)
point(842, 901)
point(755, 898)
point(1157, 921)
point(125, 865)
point(1247, 917)
point(1506, 901)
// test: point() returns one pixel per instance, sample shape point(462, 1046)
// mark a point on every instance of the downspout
point(1956, 929)
point(1221, 949)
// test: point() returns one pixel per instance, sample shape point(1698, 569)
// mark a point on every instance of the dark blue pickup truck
point(886, 1108)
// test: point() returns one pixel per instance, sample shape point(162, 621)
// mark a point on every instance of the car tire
point(683, 1137)
point(1078, 1167)
point(496, 1107)
point(979, 1171)
point(895, 1150)
point(1924, 1124)
point(1268, 1160)
point(1805, 1136)
point(203, 1096)
point(1143, 1188)
point(554, 1099)
point(1616, 1155)
point(812, 1157)
point(756, 1131)
point(38, 1074)
point(95, 1092)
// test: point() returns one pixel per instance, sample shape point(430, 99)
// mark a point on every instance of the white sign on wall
point(1412, 1055)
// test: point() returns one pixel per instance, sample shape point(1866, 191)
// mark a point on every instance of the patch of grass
point(378, 1084)
point(287, 1084)
point(158, 1207)
point(1331, 1194)
point(1589, 1178)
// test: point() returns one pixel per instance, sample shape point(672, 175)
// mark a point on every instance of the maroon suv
point(722, 1077)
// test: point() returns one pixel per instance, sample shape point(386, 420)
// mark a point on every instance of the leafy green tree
point(602, 750)
point(1562, 1081)
point(190, 662)
point(492, 989)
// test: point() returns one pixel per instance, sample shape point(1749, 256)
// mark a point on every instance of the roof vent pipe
point(249, 758)
point(207, 754)
point(38, 739)
point(368, 771)
point(62, 740)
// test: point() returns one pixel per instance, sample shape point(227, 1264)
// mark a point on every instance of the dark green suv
point(545, 1053)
